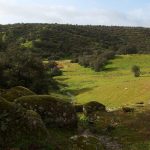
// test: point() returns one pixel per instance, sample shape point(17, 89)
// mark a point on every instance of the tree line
point(65, 41)
point(96, 61)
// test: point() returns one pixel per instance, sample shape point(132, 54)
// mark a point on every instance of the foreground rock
point(93, 106)
point(79, 108)
point(16, 92)
point(20, 128)
point(54, 111)
point(90, 141)
point(127, 109)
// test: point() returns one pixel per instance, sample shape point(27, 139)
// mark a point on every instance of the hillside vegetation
point(115, 86)
point(63, 41)
point(48, 101)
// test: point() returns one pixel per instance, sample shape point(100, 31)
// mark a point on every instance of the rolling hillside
point(65, 41)
point(114, 87)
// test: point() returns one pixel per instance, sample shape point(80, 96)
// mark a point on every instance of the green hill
point(115, 86)
point(64, 41)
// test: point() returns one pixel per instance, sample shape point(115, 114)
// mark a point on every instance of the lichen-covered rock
point(54, 111)
point(16, 92)
point(20, 128)
point(93, 106)
point(85, 143)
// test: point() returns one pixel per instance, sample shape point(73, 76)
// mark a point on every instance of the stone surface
point(16, 92)
point(54, 111)
point(93, 107)
point(20, 128)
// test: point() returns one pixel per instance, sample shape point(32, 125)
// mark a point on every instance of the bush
point(56, 72)
point(54, 68)
point(96, 61)
point(22, 68)
point(136, 71)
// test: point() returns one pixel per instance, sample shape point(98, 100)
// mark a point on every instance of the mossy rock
point(79, 108)
point(16, 92)
point(20, 128)
point(85, 143)
point(54, 111)
point(93, 106)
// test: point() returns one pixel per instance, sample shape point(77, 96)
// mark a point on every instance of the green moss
point(16, 92)
point(54, 111)
point(20, 128)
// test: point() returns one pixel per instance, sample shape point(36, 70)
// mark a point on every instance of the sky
point(83, 12)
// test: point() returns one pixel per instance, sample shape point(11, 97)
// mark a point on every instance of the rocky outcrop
point(54, 111)
point(127, 109)
point(16, 92)
point(92, 107)
point(79, 108)
point(20, 128)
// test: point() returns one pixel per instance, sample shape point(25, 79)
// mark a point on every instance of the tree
point(136, 71)
point(22, 68)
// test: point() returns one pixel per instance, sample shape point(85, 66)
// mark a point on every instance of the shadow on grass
point(79, 91)
point(62, 79)
point(110, 69)
point(68, 71)
point(118, 57)
point(144, 76)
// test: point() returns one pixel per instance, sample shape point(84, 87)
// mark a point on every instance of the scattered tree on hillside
point(96, 61)
point(136, 71)
point(65, 41)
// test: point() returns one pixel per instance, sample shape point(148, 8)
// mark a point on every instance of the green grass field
point(114, 87)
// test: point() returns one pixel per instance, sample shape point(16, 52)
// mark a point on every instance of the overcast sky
point(94, 12)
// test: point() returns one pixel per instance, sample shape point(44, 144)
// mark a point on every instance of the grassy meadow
point(116, 86)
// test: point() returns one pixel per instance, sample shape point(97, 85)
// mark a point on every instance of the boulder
point(93, 106)
point(20, 128)
point(54, 111)
point(16, 92)
point(127, 109)
point(79, 108)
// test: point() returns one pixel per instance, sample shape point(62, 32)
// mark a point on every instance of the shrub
point(22, 68)
point(56, 72)
point(136, 71)
point(96, 61)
